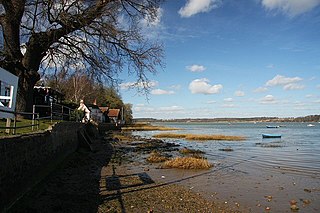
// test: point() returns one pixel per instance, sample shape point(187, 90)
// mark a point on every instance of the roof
point(104, 109)
point(93, 106)
point(113, 112)
point(48, 88)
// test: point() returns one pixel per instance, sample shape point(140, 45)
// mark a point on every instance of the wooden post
point(14, 123)
point(51, 112)
point(33, 115)
point(8, 124)
point(38, 121)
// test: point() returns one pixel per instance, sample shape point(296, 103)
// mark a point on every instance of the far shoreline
point(304, 119)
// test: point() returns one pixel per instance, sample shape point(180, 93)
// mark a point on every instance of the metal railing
point(53, 112)
point(39, 112)
point(8, 127)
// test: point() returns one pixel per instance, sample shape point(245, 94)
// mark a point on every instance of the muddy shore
point(117, 178)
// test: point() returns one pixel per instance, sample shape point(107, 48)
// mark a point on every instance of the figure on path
point(86, 111)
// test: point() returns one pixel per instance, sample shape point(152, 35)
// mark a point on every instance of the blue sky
point(234, 58)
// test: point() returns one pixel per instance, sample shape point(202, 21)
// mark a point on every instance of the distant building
point(111, 115)
point(96, 113)
point(46, 95)
point(114, 115)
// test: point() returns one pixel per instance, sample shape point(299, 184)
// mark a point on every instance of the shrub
point(156, 157)
point(187, 163)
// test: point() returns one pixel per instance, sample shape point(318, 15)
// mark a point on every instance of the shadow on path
point(73, 187)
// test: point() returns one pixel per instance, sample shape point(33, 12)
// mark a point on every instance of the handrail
point(55, 110)
point(15, 113)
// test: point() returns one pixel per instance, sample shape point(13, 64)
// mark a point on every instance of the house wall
point(27, 159)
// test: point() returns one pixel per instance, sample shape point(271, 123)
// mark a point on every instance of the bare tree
point(101, 36)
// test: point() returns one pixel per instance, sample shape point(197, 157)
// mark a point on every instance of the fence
point(54, 112)
point(8, 127)
point(40, 112)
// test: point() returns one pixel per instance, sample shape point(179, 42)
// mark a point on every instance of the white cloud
point(176, 87)
point(161, 92)
point(202, 86)
point(228, 99)
point(211, 102)
point(239, 93)
point(193, 7)
point(153, 20)
point(260, 90)
point(228, 105)
point(282, 80)
point(293, 87)
point(287, 82)
point(290, 7)
point(129, 85)
point(268, 99)
point(171, 108)
point(159, 112)
point(196, 68)
point(142, 108)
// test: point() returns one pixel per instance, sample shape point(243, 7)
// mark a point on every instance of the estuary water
point(260, 174)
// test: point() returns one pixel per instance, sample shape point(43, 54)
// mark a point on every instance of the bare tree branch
point(101, 37)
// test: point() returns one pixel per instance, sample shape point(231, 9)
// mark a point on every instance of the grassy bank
point(23, 126)
point(200, 137)
point(146, 127)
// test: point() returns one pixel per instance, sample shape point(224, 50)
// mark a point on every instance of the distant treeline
point(309, 118)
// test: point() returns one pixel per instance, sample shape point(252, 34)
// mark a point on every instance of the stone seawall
point(27, 159)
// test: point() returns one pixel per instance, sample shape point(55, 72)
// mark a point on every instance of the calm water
point(286, 167)
point(298, 150)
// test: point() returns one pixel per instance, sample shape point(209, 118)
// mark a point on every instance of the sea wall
point(103, 127)
point(27, 159)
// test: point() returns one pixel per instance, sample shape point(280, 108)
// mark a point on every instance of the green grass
point(43, 125)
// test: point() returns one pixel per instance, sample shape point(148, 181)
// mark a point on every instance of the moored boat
point(271, 135)
point(272, 126)
point(310, 125)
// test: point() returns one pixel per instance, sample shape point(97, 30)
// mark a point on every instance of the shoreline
point(117, 178)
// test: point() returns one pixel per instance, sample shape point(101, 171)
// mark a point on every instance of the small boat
point(271, 136)
point(272, 126)
point(310, 125)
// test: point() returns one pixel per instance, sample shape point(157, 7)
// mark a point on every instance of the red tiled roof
point(104, 109)
point(113, 112)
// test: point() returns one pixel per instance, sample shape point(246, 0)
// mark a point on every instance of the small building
point(114, 115)
point(96, 114)
point(111, 115)
point(45, 95)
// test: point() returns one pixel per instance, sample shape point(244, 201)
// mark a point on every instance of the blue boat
point(271, 136)
point(273, 126)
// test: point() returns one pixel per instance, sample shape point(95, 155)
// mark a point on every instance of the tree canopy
point(102, 37)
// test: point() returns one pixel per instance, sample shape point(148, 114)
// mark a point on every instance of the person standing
point(86, 111)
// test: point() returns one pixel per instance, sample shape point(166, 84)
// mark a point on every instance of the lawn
point(44, 124)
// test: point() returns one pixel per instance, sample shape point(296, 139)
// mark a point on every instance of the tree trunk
point(25, 92)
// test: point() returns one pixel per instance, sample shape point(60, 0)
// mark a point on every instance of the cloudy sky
point(234, 58)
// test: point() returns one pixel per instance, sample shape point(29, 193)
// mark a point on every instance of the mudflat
point(117, 178)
